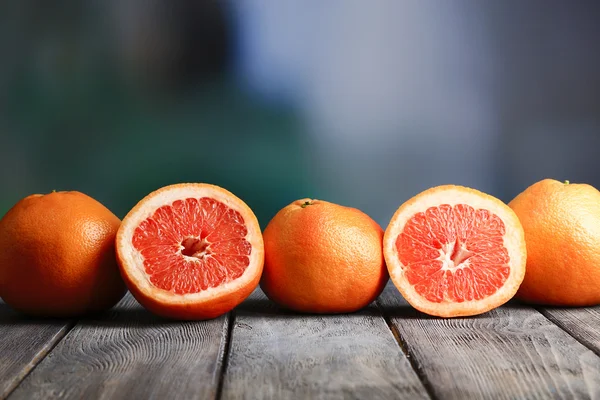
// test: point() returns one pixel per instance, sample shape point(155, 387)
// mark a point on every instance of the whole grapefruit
point(57, 256)
point(322, 257)
point(562, 230)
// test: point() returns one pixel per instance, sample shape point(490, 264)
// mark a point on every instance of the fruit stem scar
point(567, 182)
point(306, 203)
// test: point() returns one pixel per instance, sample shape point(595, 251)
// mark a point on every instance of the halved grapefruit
point(190, 251)
point(453, 251)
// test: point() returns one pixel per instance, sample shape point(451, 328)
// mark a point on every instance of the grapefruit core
point(453, 251)
point(190, 251)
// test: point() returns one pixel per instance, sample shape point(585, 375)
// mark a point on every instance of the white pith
point(133, 259)
point(448, 264)
point(513, 241)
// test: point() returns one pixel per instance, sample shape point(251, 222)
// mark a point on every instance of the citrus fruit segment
point(454, 251)
point(190, 251)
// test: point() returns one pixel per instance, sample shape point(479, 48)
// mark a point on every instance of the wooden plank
point(513, 352)
point(131, 354)
point(24, 342)
point(276, 354)
point(583, 323)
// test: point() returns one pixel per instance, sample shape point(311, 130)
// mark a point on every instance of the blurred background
point(360, 103)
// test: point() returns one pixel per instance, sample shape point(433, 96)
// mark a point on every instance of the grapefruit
point(322, 257)
point(453, 251)
point(57, 256)
point(190, 251)
point(562, 229)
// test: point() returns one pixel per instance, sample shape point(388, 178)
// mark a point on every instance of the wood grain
point(131, 354)
point(24, 342)
point(582, 323)
point(282, 355)
point(513, 352)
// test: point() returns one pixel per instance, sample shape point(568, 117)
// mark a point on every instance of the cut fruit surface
point(190, 251)
point(454, 251)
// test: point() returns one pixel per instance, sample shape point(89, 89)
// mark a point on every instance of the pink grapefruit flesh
point(190, 251)
point(455, 251)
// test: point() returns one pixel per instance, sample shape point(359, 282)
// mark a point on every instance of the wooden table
point(386, 351)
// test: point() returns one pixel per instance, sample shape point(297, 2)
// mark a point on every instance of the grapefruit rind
point(514, 242)
point(132, 262)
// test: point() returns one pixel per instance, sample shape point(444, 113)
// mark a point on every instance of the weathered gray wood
point(513, 352)
point(131, 354)
point(276, 354)
point(582, 323)
point(24, 342)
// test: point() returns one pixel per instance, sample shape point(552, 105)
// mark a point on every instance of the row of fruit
point(195, 251)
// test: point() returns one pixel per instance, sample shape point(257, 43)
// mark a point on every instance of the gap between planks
point(43, 353)
point(558, 322)
point(543, 311)
point(524, 337)
point(402, 344)
point(131, 353)
point(283, 354)
point(225, 353)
